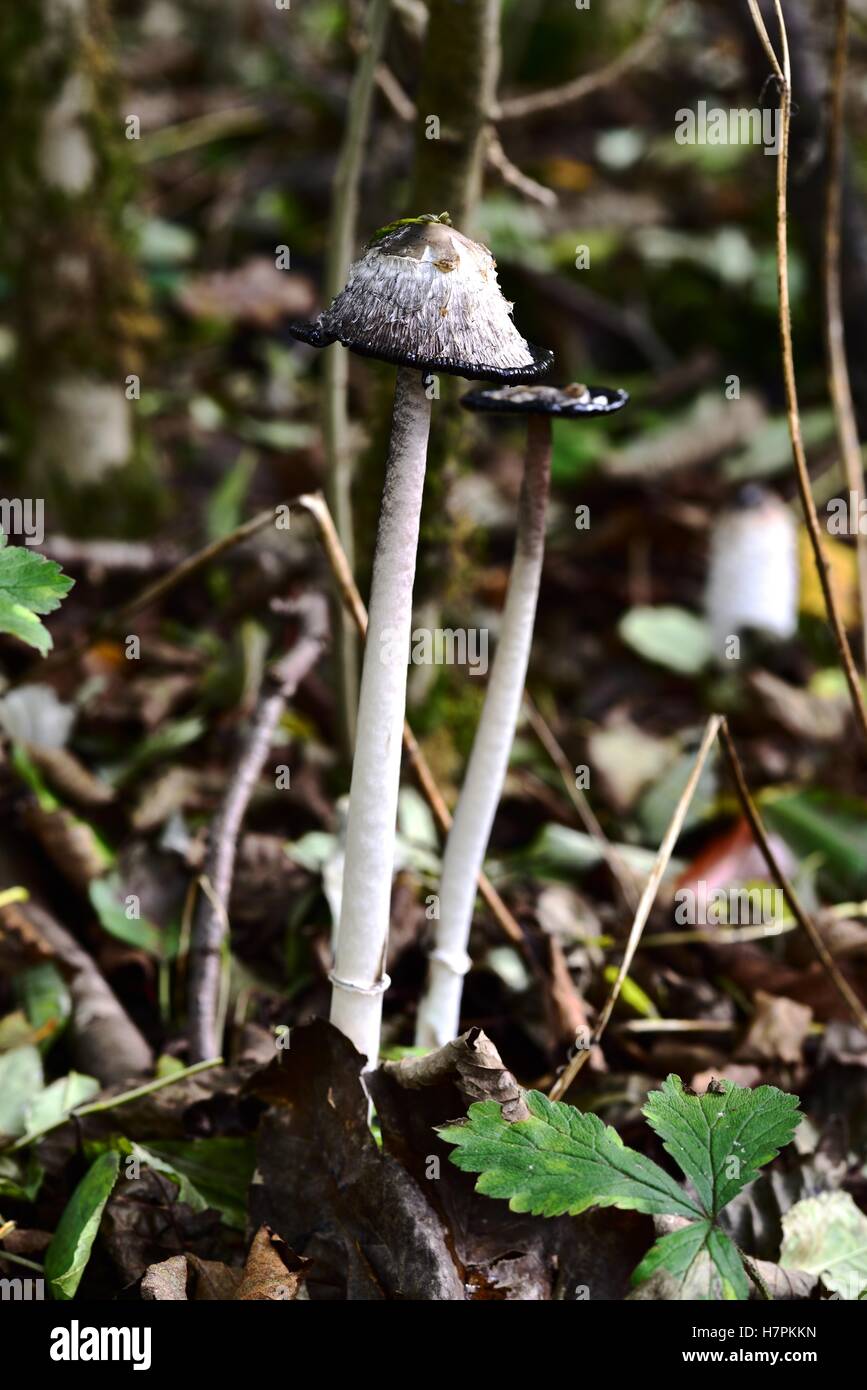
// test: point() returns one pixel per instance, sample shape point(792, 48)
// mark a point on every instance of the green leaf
point(56, 1101)
point(105, 896)
point(20, 1176)
point(211, 1172)
point(20, 1080)
point(827, 1235)
point(722, 1138)
point(29, 585)
point(67, 1256)
point(670, 636)
point(676, 1253)
point(560, 1161)
point(825, 823)
point(701, 1258)
point(46, 998)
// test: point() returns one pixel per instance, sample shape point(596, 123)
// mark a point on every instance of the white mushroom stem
point(439, 1012)
point(358, 977)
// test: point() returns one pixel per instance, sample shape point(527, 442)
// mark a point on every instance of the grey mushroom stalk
point(439, 1011)
point(425, 298)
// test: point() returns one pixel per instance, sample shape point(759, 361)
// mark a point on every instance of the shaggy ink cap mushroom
point(423, 295)
point(561, 402)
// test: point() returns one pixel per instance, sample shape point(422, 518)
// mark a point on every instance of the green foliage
point(67, 1256)
point(30, 586)
point(560, 1160)
point(827, 1235)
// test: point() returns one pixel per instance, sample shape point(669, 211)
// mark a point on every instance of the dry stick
point(666, 849)
point(160, 587)
point(619, 868)
point(838, 366)
point(515, 178)
point(341, 242)
point(518, 108)
point(760, 834)
point(784, 77)
point(193, 563)
point(105, 1042)
point(316, 505)
point(210, 923)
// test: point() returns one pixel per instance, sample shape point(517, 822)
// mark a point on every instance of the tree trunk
point(460, 71)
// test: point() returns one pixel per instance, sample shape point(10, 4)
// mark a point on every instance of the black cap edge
point(543, 359)
point(615, 399)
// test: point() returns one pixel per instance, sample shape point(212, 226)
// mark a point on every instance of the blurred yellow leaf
point(568, 174)
point(843, 563)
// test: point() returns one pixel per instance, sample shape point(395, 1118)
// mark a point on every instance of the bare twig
point(783, 73)
point(316, 505)
point(105, 1041)
point(190, 565)
point(838, 366)
point(519, 108)
point(666, 849)
point(621, 871)
point(515, 178)
point(760, 834)
point(404, 107)
point(210, 922)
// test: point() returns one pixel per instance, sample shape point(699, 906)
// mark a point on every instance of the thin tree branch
point(404, 107)
point(519, 108)
point(190, 565)
point(838, 366)
point(515, 178)
point(760, 834)
point(648, 897)
point(210, 923)
point(105, 1042)
point(784, 76)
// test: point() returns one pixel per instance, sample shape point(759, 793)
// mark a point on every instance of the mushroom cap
point(423, 295)
point(564, 402)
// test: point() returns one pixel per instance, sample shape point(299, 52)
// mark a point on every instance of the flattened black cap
point(563, 402)
point(423, 295)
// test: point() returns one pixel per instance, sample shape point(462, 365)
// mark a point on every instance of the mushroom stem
point(439, 1011)
point(358, 977)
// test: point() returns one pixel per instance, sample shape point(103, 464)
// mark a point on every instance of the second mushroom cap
point(564, 402)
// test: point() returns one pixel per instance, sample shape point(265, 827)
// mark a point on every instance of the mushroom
point(439, 1012)
point(752, 584)
point(427, 299)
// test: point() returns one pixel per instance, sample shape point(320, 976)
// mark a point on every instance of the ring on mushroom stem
point(426, 298)
point(439, 1012)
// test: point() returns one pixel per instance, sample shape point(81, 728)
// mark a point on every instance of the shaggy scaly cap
point(424, 295)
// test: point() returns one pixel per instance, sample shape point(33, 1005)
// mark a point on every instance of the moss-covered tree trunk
point(72, 295)
point(457, 91)
point(460, 71)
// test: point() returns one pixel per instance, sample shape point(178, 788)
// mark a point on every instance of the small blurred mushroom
point(752, 586)
point(427, 299)
point(439, 1011)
